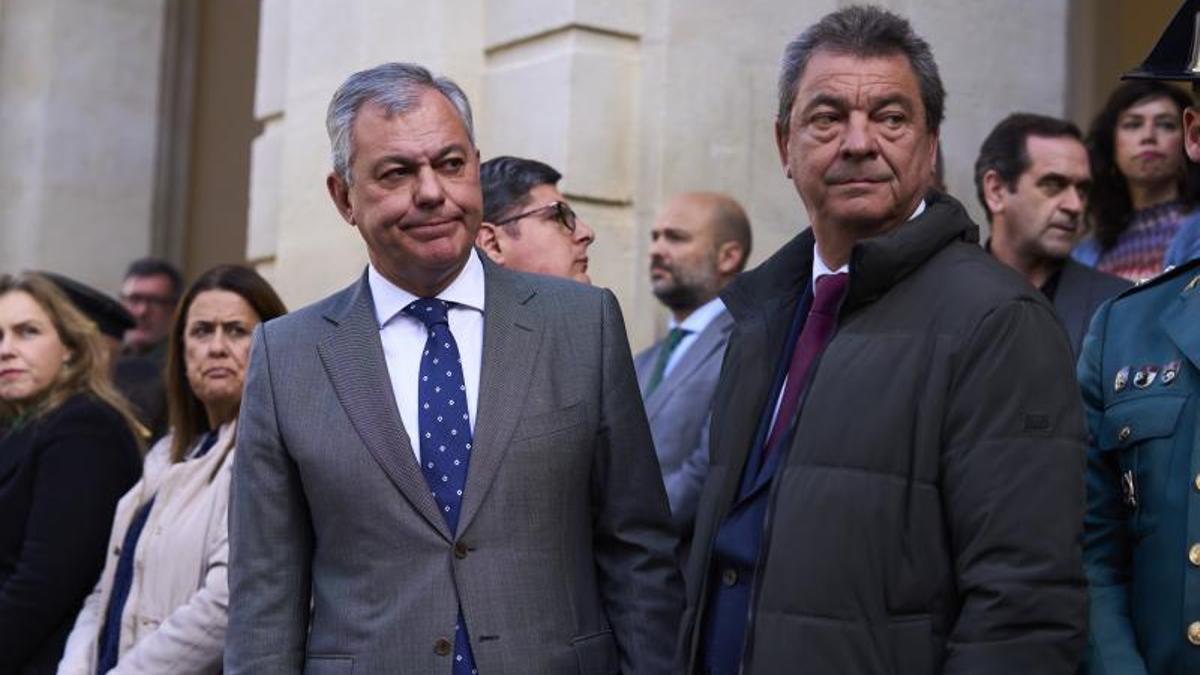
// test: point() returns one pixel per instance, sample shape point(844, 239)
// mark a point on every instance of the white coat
point(175, 617)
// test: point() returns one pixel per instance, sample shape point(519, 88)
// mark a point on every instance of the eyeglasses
point(562, 213)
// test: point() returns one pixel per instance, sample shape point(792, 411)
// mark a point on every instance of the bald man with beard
point(699, 243)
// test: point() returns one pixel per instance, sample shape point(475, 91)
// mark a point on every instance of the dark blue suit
point(738, 540)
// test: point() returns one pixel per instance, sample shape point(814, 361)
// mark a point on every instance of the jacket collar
point(876, 264)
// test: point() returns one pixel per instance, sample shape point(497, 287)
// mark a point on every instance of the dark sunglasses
point(562, 213)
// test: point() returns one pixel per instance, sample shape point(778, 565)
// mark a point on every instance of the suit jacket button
point(1194, 555)
point(1194, 633)
point(442, 647)
point(1198, 482)
point(729, 577)
point(460, 550)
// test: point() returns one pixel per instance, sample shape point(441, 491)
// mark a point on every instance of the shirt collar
point(467, 290)
point(820, 269)
point(699, 319)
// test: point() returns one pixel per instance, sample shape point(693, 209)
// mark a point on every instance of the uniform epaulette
point(1167, 275)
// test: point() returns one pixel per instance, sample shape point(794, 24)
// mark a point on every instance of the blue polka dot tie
point(444, 426)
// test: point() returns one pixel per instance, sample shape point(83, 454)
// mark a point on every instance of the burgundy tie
point(818, 329)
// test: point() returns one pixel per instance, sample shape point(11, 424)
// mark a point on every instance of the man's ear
point(339, 192)
point(730, 258)
point(994, 190)
point(488, 239)
point(1191, 133)
point(781, 142)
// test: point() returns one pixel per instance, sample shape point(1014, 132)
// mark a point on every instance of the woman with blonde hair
point(160, 605)
point(68, 450)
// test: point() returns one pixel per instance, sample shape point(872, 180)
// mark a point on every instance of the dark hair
point(152, 267)
point(1006, 148)
point(862, 31)
point(1109, 205)
point(184, 409)
point(506, 182)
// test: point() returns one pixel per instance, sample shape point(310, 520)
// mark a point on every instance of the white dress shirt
point(694, 324)
point(403, 338)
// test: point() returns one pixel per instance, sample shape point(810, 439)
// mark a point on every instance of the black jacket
point(927, 517)
point(1080, 291)
point(60, 479)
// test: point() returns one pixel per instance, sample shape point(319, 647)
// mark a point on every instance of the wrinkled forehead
point(857, 78)
point(1063, 155)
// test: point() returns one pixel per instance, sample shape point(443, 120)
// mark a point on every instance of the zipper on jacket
point(773, 497)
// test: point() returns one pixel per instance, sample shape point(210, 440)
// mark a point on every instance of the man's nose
point(429, 192)
point(1074, 201)
point(584, 233)
point(859, 140)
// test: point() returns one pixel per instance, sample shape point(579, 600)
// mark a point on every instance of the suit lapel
point(353, 358)
point(1179, 322)
point(512, 334)
point(706, 343)
point(752, 367)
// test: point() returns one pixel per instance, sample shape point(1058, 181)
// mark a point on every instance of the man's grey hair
point(862, 31)
point(395, 87)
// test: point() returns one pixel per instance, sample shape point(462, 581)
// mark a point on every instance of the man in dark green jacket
point(1140, 373)
point(896, 480)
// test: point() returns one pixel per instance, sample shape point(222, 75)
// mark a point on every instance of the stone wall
point(633, 100)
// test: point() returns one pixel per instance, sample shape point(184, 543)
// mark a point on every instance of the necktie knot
point(429, 311)
point(827, 293)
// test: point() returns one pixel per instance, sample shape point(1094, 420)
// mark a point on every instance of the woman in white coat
point(161, 603)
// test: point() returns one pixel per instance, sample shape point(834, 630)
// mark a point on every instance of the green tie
point(674, 337)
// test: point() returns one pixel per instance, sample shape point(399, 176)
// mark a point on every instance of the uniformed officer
point(1140, 374)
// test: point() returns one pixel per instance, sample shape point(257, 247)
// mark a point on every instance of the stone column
point(79, 103)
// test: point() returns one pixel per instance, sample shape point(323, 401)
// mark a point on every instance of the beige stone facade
point(127, 123)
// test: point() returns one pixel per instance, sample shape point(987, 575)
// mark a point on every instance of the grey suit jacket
point(678, 412)
point(563, 561)
point(1080, 291)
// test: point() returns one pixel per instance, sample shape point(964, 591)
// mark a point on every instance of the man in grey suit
point(444, 467)
point(699, 243)
point(1032, 178)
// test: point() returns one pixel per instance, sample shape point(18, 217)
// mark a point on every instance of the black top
point(60, 479)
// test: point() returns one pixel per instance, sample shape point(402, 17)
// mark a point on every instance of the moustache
point(850, 173)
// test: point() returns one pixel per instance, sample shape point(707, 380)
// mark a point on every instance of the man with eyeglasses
point(149, 293)
point(528, 224)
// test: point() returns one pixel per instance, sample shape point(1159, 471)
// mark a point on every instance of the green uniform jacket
point(1141, 388)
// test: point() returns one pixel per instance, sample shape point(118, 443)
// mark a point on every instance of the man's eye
point(453, 164)
point(823, 120)
point(893, 119)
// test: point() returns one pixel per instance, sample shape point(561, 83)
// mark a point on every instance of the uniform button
point(1194, 554)
point(1124, 434)
point(441, 647)
point(1194, 633)
point(460, 550)
point(1198, 482)
point(729, 577)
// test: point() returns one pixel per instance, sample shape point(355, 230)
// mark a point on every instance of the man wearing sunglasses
point(528, 224)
